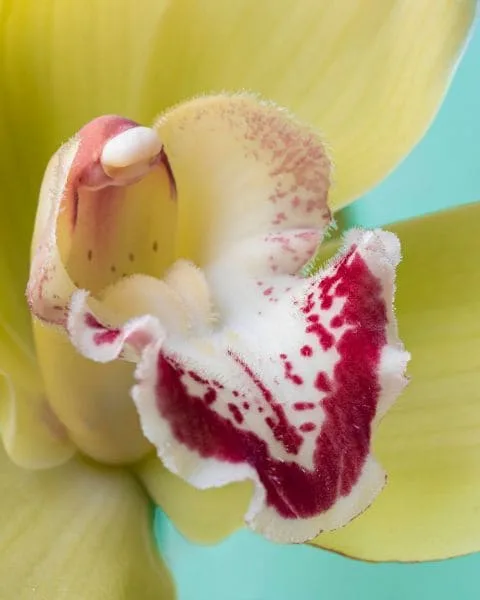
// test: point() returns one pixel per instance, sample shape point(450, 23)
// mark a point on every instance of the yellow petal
point(77, 531)
point(89, 233)
point(62, 64)
point(92, 400)
point(429, 443)
point(244, 170)
point(31, 433)
point(202, 516)
point(360, 70)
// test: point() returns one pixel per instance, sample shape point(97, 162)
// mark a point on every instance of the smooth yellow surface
point(30, 432)
point(135, 235)
point(202, 516)
point(32, 435)
point(429, 442)
point(91, 399)
point(77, 532)
point(360, 70)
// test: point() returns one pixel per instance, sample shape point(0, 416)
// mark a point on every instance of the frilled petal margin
point(287, 398)
point(429, 442)
point(77, 531)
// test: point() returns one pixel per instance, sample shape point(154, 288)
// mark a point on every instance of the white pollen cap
point(133, 146)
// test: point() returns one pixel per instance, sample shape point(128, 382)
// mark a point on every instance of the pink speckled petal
point(245, 170)
point(285, 394)
point(93, 226)
point(105, 211)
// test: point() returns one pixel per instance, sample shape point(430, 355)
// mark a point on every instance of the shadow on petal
point(77, 531)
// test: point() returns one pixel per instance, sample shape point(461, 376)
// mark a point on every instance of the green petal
point(429, 443)
point(77, 532)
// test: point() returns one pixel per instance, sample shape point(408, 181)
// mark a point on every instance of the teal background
point(442, 171)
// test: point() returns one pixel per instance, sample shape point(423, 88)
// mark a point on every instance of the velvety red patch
point(105, 335)
point(349, 400)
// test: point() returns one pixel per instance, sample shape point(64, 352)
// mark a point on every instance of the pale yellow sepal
point(429, 443)
point(31, 434)
point(360, 70)
point(77, 531)
point(202, 516)
point(91, 399)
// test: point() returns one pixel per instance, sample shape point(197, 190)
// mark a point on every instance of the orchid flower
point(185, 326)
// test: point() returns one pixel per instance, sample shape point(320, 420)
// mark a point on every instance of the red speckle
point(295, 202)
point(324, 336)
point(303, 405)
point(246, 405)
point(104, 335)
point(342, 441)
point(306, 350)
point(235, 393)
point(279, 217)
point(196, 377)
point(309, 304)
point(337, 321)
point(268, 291)
point(236, 414)
point(210, 396)
point(326, 302)
point(288, 372)
point(306, 427)
point(322, 383)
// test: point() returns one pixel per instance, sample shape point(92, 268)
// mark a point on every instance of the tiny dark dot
point(113, 268)
point(155, 246)
point(89, 255)
point(131, 257)
point(124, 275)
